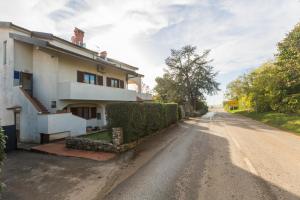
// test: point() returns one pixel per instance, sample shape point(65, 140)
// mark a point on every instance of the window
point(90, 78)
point(17, 77)
point(53, 104)
point(113, 82)
point(84, 112)
point(4, 52)
point(99, 116)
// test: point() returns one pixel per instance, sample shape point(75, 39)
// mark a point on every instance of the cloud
point(241, 34)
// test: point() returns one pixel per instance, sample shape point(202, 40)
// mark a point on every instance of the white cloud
point(242, 34)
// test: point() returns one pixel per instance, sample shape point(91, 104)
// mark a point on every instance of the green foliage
point(167, 90)
point(129, 116)
point(289, 122)
point(170, 111)
point(179, 113)
point(189, 76)
point(154, 117)
point(274, 86)
point(140, 119)
point(104, 135)
point(2, 150)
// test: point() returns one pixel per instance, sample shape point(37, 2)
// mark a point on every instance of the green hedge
point(140, 119)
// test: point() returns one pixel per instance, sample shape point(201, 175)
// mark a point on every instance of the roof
point(47, 45)
point(50, 36)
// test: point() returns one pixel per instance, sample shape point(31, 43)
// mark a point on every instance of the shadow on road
point(223, 179)
point(202, 168)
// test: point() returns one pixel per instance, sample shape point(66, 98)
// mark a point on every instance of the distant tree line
point(275, 85)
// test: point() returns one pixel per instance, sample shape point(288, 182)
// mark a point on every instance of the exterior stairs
point(35, 102)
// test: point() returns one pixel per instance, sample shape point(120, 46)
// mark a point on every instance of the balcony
point(83, 91)
point(145, 96)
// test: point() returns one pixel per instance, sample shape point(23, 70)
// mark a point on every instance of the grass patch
point(289, 122)
point(104, 135)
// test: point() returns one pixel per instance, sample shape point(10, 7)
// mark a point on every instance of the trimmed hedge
point(140, 119)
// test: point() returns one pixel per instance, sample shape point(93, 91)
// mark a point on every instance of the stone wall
point(89, 145)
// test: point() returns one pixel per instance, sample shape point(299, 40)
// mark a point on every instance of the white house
point(50, 85)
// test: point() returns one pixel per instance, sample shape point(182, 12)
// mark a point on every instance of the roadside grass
point(103, 135)
point(284, 121)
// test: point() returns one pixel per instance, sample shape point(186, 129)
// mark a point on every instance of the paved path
point(220, 156)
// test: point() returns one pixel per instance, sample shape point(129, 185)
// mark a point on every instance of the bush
point(129, 116)
point(140, 119)
point(153, 117)
point(179, 113)
point(170, 111)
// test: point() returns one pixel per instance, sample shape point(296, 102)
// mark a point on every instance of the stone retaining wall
point(89, 145)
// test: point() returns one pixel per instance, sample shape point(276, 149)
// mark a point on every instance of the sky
point(241, 34)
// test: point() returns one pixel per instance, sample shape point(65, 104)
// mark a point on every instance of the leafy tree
point(167, 90)
point(274, 85)
point(188, 77)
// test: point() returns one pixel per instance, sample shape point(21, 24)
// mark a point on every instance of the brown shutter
point(100, 80)
point(121, 84)
point(108, 82)
point(93, 112)
point(80, 76)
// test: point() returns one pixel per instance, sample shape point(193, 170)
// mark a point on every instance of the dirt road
point(220, 156)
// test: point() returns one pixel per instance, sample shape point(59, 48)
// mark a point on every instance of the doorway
point(17, 124)
point(26, 82)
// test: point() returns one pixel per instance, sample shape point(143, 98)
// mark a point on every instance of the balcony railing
point(83, 91)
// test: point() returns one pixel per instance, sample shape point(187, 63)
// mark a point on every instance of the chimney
point(103, 54)
point(77, 38)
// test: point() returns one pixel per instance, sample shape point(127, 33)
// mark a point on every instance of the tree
point(188, 77)
point(167, 91)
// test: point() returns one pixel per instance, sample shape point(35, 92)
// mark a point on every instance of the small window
point(99, 116)
point(17, 76)
point(4, 52)
point(53, 104)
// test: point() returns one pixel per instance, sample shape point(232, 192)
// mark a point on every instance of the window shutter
point(93, 113)
point(80, 76)
point(100, 80)
point(121, 84)
point(108, 82)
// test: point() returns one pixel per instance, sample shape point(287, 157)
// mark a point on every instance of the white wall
point(82, 91)
point(6, 79)
point(28, 117)
point(23, 56)
point(55, 123)
point(45, 78)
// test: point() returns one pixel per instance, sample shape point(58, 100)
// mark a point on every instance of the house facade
point(50, 85)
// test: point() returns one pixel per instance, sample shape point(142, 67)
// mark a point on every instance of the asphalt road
point(220, 156)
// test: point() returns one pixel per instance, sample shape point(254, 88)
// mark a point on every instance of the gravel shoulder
point(30, 175)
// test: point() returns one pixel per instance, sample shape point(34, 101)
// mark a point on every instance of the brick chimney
point(77, 38)
point(103, 54)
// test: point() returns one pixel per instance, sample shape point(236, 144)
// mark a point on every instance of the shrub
point(2, 149)
point(170, 113)
point(153, 117)
point(179, 113)
point(140, 119)
point(129, 116)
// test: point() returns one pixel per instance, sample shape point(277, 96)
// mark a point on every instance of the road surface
point(220, 156)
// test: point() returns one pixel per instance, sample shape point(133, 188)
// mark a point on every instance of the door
point(17, 123)
point(26, 82)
